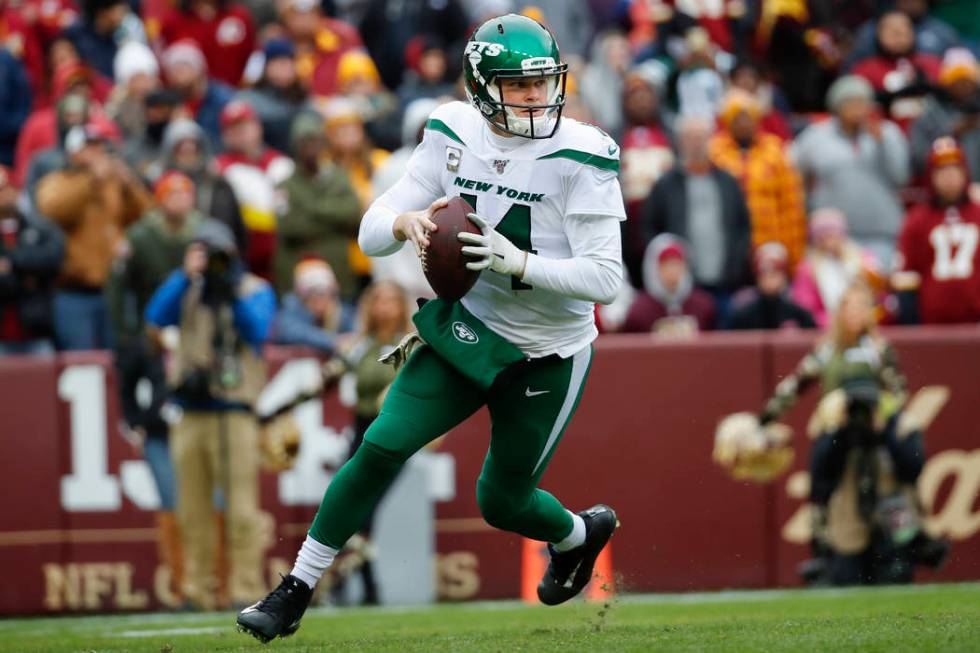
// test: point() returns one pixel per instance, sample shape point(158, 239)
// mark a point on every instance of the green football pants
point(530, 405)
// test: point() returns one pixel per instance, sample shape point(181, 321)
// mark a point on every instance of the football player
point(547, 202)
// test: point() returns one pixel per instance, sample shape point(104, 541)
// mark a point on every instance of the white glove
point(492, 250)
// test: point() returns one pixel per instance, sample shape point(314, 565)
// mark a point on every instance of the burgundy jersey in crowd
point(941, 244)
point(227, 39)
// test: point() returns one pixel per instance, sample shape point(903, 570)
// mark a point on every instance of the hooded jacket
point(215, 197)
point(656, 302)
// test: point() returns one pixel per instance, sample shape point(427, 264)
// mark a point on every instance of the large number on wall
point(90, 487)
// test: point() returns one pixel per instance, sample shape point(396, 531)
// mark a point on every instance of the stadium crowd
point(772, 152)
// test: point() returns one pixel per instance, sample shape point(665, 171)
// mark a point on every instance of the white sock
point(575, 538)
point(312, 560)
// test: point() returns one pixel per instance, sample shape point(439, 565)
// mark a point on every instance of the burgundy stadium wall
point(74, 538)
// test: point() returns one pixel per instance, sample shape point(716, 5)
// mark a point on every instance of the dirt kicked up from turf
point(920, 619)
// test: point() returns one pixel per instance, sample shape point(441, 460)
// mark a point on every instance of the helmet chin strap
point(523, 127)
point(510, 122)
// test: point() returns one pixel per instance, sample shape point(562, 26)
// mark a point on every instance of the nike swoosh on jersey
point(529, 393)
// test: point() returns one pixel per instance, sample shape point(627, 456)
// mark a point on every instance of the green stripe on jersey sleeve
point(585, 158)
point(439, 126)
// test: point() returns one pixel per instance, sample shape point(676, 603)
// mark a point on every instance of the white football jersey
point(524, 188)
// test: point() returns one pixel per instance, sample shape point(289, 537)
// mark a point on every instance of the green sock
point(353, 494)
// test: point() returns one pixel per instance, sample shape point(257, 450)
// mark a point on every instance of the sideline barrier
point(76, 529)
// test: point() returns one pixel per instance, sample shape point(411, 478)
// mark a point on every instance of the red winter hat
point(170, 181)
point(672, 250)
point(67, 75)
point(946, 151)
point(235, 112)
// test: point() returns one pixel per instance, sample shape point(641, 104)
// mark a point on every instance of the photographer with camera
point(866, 456)
point(223, 314)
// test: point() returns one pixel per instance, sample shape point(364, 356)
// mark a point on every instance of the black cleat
point(278, 614)
point(569, 572)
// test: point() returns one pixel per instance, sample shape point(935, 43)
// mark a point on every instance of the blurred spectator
point(669, 303)
point(389, 25)
point(319, 212)
point(403, 267)
point(47, 18)
point(223, 314)
point(799, 39)
point(156, 246)
point(939, 257)
point(21, 42)
point(772, 186)
point(856, 162)
point(953, 110)
point(698, 86)
point(358, 81)
point(93, 201)
point(41, 129)
point(768, 305)
point(320, 41)
point(832, 263)
point(223, 30)
point(137, 75)
point(186, 148)
point(719, 20)
point(94, 33)
point(569, 20)
point(253, 171)
point(312, 314)
point(383, 319)
point(60, 52)
point(428, 73)
point(71, 111)
point(203, 99)
point(646, 155)
point(15, 104)
point(143, 149)
point(349, 147)
point(602, 81)
point(901, 74)
point(932, 35)
point(31, 252)
point(704, 205)
point(963, 16)
point(748, 76)
point(278, 96)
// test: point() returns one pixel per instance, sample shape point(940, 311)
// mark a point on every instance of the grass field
point(940, 618)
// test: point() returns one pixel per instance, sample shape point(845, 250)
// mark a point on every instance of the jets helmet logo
point(465, 334)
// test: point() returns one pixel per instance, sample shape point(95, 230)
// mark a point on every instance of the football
point(443, 263)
